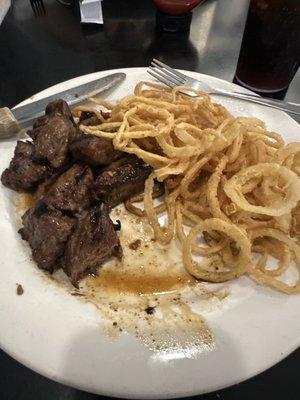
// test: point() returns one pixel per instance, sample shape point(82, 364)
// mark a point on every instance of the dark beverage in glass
point(270, 51)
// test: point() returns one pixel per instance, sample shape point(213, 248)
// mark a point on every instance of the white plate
point(58, 336)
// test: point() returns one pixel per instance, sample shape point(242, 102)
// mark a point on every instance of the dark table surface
point(37, 52)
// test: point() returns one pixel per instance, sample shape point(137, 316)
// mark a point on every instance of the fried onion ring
point(234, 188)
point(241, 260)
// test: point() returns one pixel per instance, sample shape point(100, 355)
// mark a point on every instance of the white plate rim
point(130, 393)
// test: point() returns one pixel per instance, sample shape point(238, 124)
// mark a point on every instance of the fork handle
point(291, 108)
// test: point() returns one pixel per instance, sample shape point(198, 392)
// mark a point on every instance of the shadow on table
point(174, 49)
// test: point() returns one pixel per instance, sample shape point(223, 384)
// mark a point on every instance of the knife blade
point(24, 115)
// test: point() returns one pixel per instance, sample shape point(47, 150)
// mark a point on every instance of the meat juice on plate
point(148, 293)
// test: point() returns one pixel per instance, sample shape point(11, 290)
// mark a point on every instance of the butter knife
point(12, 120)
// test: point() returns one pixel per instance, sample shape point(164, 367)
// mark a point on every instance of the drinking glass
point(270, 50)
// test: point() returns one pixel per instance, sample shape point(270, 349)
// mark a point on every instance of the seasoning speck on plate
point(150, 310)
point(135, 245)
point(20, 289)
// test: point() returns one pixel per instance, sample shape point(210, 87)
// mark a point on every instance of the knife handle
point(8, 124)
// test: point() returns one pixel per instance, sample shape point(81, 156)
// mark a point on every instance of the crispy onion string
point(240, 261)
point(227, 178)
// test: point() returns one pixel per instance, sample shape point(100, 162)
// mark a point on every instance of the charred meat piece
point(91, 149)
point(47, 232)
point(94, 241)
point(23, 172)
point(59, 107)
point(89, 119)
point(94, 150)
point(53, 133)
point(43, 187)
point(24, 148)
point(54, 108)
point(51, 139)
point(121, 180)
point(70, 192)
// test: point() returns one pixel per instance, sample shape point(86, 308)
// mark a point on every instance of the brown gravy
point(140, 284)
point(28, 200)
point(149, 277)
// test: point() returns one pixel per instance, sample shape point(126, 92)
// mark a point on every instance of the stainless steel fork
point(38, 7)
point(172, 78)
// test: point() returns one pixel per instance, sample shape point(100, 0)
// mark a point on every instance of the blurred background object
point(270, 50)
point(58, 47)
point(4, 6)
point(175, 15)
point(176, 7)
point(165, 45)
point(91, 11)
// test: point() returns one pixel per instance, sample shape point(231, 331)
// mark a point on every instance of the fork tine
point(32, 6)
point(42, 7)
point(37, 7)
point(161, 64)
point(40, 3)
point(177, 80)
point(159, 71)
point(160, 78)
